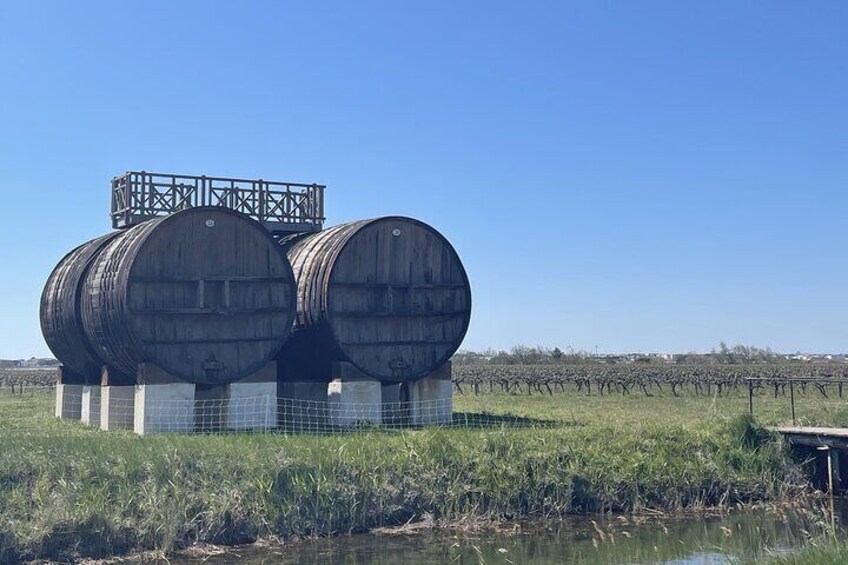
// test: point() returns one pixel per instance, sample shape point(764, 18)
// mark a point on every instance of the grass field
point(661, 409)
point(66, 490)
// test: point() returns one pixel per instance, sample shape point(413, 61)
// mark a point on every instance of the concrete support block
point(252, 406)
point(353, 402)
point(431, 401)
point(117, 407)
point(69, 401)
point(164, 408)
point(90, 412)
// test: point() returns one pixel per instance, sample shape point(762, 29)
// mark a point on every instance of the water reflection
point(612, 541)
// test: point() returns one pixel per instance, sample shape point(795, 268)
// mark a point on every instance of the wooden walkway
point(836, 438)
point(829, 446)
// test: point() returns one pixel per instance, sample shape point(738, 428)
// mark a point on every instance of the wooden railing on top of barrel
point(138, 196)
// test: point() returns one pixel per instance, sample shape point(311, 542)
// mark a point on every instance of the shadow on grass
point(482, 420)
point(460, 421)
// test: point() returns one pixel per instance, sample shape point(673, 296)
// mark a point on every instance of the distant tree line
point(530, 355)
point(522, 355)
point(28, 363)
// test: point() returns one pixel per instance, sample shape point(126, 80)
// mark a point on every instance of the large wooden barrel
point(206, 294)
point(388, 295)
point(61, 322)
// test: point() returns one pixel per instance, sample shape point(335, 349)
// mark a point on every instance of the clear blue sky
point(654, 176)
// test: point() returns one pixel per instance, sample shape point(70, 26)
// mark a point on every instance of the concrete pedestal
point(90, 412)
point(117, 407)
point(252, 406)
point(431, 401)
point(69, 401)
point(164, 408)
point(352, 402)
point(302, 406)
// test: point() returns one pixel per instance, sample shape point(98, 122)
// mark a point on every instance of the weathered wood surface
point(389, 295)
point(205, 294)
point(286, 207)
point(61, 320)
point(814, 436)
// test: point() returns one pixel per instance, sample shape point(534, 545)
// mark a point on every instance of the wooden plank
point(401, 314)
point(220, 278)
point(214, 341)
point(413, 286)
point(209, 311)
point(387, 343)
point(812, 431)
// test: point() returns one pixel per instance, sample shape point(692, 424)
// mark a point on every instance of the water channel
point(605, 540)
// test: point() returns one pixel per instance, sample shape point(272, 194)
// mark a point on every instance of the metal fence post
point(792, 399)
point(751, 397)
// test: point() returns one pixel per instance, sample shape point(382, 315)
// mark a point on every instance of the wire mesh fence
point(255, 414)
point(34, 409)
point(30, 408)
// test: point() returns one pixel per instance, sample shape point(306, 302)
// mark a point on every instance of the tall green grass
point(835, 553)
point(68, 491)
